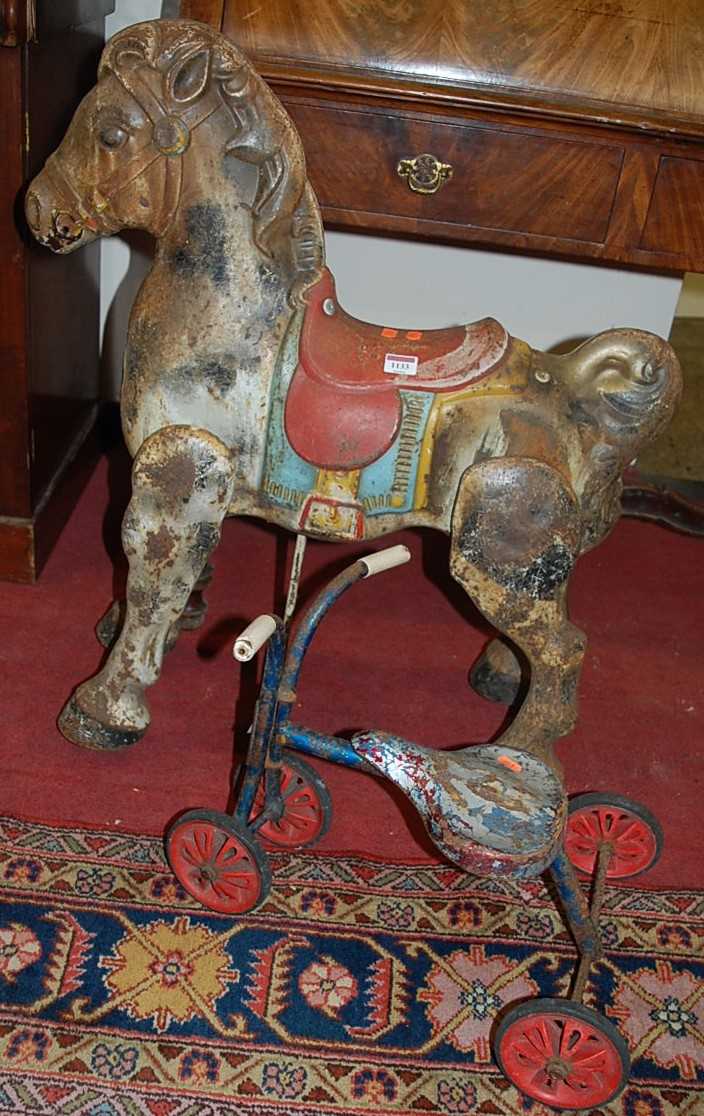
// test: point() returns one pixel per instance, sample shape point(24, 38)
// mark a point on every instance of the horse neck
point(213, 216)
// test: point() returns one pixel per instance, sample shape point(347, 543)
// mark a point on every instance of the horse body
point(248, 389)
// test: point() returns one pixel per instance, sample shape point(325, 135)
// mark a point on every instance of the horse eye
point(112, 136)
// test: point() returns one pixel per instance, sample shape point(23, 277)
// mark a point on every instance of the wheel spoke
point(232, 885)
point(229, 853)
point(543, 1081)
point(526, 1050)
point(539, 1039)
point(587, 823)
point(301, 798)
point(629, 825)
point(589, 1058)
point(291, 782)
point(581, 1081)
point(571, 1037)
point(630, 844)
point(190, 853)
point(200, 842)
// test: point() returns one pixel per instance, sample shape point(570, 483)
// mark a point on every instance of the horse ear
point(189, 77)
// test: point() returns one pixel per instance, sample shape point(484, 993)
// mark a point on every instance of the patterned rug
point(359, 987)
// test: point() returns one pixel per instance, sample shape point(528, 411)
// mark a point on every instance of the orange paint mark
point(414, 334)
point(389, 332)
point(512, 764)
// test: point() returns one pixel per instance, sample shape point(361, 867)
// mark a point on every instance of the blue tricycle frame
point(491, 810)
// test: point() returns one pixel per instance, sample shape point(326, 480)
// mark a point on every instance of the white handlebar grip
point(386, 559)
point(253, 637)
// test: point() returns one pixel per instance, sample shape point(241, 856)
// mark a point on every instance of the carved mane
point(286, 219)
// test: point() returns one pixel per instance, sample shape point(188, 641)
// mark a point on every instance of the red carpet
point(394, 655)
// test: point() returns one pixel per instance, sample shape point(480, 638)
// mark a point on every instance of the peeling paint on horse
point(204, 252)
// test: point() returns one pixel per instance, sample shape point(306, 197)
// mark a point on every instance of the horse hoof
point(492, 684)
point(80, 728)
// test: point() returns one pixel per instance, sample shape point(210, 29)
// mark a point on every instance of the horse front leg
point(182, 482)
point(110, 624)
point(516, 534)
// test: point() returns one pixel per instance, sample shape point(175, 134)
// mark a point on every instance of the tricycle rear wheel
point(562, 1053)
point(633, 832)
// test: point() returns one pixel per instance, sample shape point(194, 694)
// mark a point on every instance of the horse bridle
point(170, 138)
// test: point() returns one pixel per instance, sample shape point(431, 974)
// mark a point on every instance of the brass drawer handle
point(425, 174)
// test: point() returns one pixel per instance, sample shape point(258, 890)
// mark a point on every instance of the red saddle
point(343, 408)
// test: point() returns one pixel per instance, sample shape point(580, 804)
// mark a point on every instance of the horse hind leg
point(182, 482)
point(515, 537)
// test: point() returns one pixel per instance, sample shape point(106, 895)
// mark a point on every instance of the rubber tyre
point(307, 807)
point(218, 861)
point(638, 839)
point(531, 1033)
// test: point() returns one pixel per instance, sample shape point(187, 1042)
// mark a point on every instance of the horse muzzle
point(53, 220)
point(58, 229)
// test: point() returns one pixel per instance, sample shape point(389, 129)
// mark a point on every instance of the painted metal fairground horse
point(249, 390)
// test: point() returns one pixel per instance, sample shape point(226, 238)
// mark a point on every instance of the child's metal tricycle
point(489, 809)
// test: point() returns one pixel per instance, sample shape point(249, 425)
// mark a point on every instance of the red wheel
point(632, 830)
point(562, 1053)
point(307, 809)
point(217, 861)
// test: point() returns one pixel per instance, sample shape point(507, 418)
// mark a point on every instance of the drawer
point(674, 221)
point(502, 180)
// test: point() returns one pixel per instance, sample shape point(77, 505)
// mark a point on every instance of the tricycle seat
point(492, 810)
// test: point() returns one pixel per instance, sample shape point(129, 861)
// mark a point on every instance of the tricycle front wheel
point(218, 861)
point(307, 808)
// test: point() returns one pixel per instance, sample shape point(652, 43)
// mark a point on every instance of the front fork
point(264, 751)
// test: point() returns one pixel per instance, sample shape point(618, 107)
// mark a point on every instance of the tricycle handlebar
point(386, 559)
point(260, 630)
point(253, 637)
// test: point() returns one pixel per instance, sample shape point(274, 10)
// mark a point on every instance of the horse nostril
point(33, 212)
point(66, 227)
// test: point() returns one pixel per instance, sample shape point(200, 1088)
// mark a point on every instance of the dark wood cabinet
point(49, 306)
point(571, 130)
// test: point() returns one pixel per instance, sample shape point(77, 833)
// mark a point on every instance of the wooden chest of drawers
point(575, 131)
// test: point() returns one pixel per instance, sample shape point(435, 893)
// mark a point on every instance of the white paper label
point(397, 365)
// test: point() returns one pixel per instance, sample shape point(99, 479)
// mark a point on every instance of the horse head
point(134, 139)
point(622, 387)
